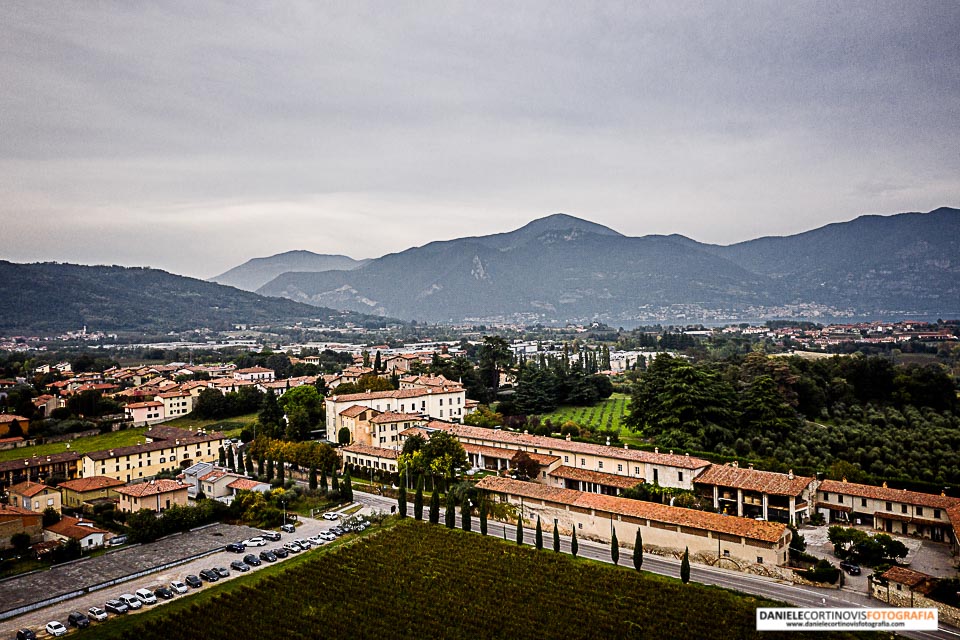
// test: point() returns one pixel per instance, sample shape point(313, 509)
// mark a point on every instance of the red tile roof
point(245, 484)
point(596, 477)
point(398, 394)
point(144, 405)
point(355, 410)
point(29, 489)
point(254, 370)
point(93, 483)
point(907, 576)
point(151, 488)
point(393, 416)
point(376, 452)
point(9, 417)
point(703, 520)
point(69, 528)
point(778, 484)
point(886, 494)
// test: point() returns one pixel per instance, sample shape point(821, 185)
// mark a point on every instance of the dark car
point(238, 565)
point(849, 567)
point(251, 560)
point(280, 552)
point(164, 593)
point(193, 581)
point(26, 634)
point(210, 575)
point(116, 607)
point(78, 620)
point(236, 547)
point(268, 556)
point(270, 535)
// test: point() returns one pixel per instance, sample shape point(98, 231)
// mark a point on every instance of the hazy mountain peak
point(254, 273)
point(552, 224)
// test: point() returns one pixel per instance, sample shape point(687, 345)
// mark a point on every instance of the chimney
point(751, 466)
point(656, 449)
point(736, 464)
point(525, 432)
point(608, 441)
point(568, 437)
point(790, 474)
point(625, 446)
point(884, 484)
point(671, 451)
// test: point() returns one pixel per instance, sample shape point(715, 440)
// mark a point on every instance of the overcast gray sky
point(193, 136)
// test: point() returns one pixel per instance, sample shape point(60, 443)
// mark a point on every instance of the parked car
point(330, 516)
point(146, 596)
point(193, 581)
point(255, 542)
point(96, 613)
point(178, 587)
point(329, 536)
point(26, 634)
point(303, 544)
point(164, 593)
point(315, 540)
point(851, 568)
point(235, 547)
point(272, 536)
point(292, 547)
point(338, 530)
point(268, 556)
point(210, 575)
point(116, 607)
point(78, 620)
point(238, 565)
point(280, 552)
point(116, 541)
point(54, 628)
point(251, 560)
point(288, 528)
point(132, 601)
point(222, 572)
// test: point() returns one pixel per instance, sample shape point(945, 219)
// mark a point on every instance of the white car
point(96, 613)
point(255, 542)
point(54, 628)
point(330, 516)
point(329, 537)
point(146, 596)
point(178, 587)
point(315, 540)
point(132, 601)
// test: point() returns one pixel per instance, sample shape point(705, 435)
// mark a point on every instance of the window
point(936, 513)
point(726, 553)
point(619, 467)
point(655, 473)
point(583, 462)
point(919, 511)
point(566, 458)
point(600, 464)
point(759, 559)
point(680, 476)
point(903, 508)
point(579, 525)
point(889, 507)
point(826, 497)
point(49, 502)
point(863, 502)
point(636, 470)
point(839, 499)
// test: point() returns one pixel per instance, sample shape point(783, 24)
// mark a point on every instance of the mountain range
point(52, 297)
point(253, 274)
point(562, 268)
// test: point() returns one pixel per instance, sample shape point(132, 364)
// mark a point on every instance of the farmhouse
point(35, 496)
point(150, 458)
point(378, 458)
point(435, 402)
point(756, 494)
point(87, 535)
point(155, 495)
point(82, 492)
point(39, 468)
point(596, 516)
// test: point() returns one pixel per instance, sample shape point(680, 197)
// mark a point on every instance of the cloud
point(222, 132)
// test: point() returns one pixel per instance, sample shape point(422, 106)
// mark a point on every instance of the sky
point(193, 136)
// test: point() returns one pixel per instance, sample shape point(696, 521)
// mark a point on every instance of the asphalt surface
point(800, 596)
point(36, 620)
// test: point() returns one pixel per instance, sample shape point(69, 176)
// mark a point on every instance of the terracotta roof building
point(137, 462)
point(155, 495)
point(783, 497)
point(83, 491)
point(35, 496)
point(89, 536)
point(595, 515)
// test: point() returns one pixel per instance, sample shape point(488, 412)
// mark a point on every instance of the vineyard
point(608, 414)
point(421, 581)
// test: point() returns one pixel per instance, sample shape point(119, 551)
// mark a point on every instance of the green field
point(230, 426)
point(608, 414)
point(80, 445)
point(416, 580)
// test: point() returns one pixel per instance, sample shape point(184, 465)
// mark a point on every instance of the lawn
point(608, 414)
point(81, 445)
point(229, 426)
point(416, 580)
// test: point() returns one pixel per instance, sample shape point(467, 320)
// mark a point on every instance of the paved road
point(800, 596)
point(37, 619)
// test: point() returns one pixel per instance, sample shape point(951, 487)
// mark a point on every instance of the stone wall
point(890, 595)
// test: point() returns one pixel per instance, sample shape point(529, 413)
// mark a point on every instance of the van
point(146, 596)
point(132, 601)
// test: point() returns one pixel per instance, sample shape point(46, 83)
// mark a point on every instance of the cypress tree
point(685, 566)
point(465, 515)
point(451, 515)
point(323, 479)
point(260, 471)
point(270, 470)
point(281, 471)
point(483, 516)
point(249, 464)
point(239, 461)
point(538, 537)
point(519, 530)
point(638, 551)
point(556, 537)
point(435, 507)
point(615, 548)
point(222, 460)
point(231, 463)
point(313, 478)
point(402, 498)
point(335, 486)
point(418, 500)
point(347, 487)
point(574, 547)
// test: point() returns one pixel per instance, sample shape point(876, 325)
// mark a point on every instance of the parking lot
point(46, 584)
